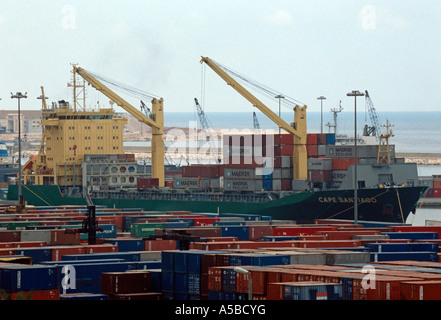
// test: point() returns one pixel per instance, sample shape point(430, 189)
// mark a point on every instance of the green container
point(21, 225)
point(145, 229)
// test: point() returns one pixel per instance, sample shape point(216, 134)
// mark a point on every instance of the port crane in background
point(155, 120)
point(383, 155)
point(298, 129)
point(255, 122)
point(205, 126)
point(374, 129)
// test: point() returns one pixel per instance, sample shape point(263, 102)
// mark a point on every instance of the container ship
point(294, 175)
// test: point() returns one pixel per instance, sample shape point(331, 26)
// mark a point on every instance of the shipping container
point(126, 282)
point(421, 290)
point(138, 296)
point(319, 164)
point(147, 183)
point(320, 175)
point(125, 245)
point(312, 291)
point(242, 185)
point(27, 278)
point(311, 138)
point(84, 296)
point(34, 295)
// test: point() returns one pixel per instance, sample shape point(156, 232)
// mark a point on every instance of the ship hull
point(379, 204)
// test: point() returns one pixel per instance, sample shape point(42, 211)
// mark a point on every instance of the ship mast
point(383, 147)
point(77, 94)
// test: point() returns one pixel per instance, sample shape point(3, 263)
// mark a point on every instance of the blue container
point(193, 297)
point(228, 223)
point(156, 279)
point(167, 258)
point(109, 230)
point(125, 245)
point(228, 280)
point(194, 284)
point(311, 291)
point(228, 295)
point(188, 221)
point(267, 185)
point(144, 265)
point(180, 283)
point(330, 138)
point(26, 278)
point(399, 256)
point(180, 296)
point(127, 256)
point(194, 261)
point(412, 235)
point(37, 254)
point(84, 296)
point(167, 281)
point(180, 259)
point(240, 232)
point(215, 295)
point(402, 247)
point(74, 262)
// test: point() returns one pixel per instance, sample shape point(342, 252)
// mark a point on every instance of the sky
point(304, 49)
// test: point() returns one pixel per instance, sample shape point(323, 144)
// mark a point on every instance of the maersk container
point(412, 235)
point(402, 247)
point(240, 232)
point(125, 245)
point(27, 278)
point(313, 291)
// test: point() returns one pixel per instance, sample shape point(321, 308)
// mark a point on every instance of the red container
point(58, 252)
point(201, 170)
point(286, 138)
point(9, 236)
point(300, 231)
point(418, 229)
point(35, 295)
point(320, 175)
point(97, 248)
point(147, 183)
point(312, 150)
point(437, 183)
point(160, 245)
point(312, 138)
point(437, 193)
point(60, 237)
point(215, 278)
point(286, 184)
point(204, 222)
point(343, 163)
point(29, 244)
point(421, 290)
point(116, 220)
point(255, 233)
point(286, 150)
point(8, 252)
point(126, 282)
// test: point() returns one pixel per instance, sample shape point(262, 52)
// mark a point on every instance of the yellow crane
point(155, 121)
point(298, 130)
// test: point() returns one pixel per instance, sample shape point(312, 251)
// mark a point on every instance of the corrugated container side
point(34, 295)
point(138, 296)
point(125, 282)
point(27, 278)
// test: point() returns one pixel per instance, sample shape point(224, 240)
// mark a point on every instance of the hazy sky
point(303, 49)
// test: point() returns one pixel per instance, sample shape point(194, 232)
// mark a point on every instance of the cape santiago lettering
point(345, 200)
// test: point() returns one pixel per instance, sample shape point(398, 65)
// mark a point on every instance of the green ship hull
point(377, 204)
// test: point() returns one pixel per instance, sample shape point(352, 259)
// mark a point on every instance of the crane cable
point(271, 93)
point(131, 91)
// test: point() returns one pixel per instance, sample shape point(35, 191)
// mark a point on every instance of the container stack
point(180, 255)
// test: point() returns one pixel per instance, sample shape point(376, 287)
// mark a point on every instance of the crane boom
point(155, 121)
point(298, 130)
